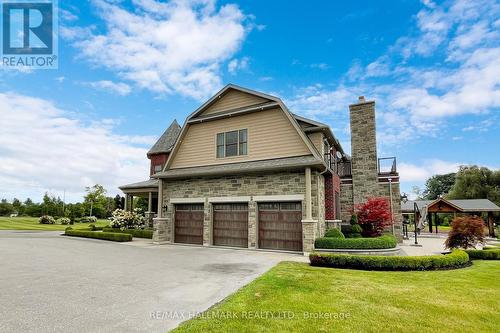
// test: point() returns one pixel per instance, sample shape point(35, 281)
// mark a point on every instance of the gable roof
point(166, 142)
point(277, 102)
point(464, 205)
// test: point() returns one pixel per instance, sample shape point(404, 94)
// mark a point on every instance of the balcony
point(387, 166)
point(339, 166)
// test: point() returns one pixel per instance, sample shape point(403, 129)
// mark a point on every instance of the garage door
point(280, 226)
point(189, 223)
point(230, 221)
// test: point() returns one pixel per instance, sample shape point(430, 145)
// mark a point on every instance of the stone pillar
point(252, 225)
point(308, 195)
point(364, 150)
point(160, 198)
point(308, 235)
point(207, 224)
point(160, 231)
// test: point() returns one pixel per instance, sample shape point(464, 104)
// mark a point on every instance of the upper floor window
point(158, 168)
point(232, 143)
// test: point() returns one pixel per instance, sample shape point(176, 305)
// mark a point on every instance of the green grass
point(31, 223)
point(462, 300)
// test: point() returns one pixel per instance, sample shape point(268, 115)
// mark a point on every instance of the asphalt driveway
point(53, 283)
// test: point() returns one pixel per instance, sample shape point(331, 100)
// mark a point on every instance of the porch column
point(125, 204)
point(160, 199)
point(308, 195)
point(150, 202)
point(491, 224)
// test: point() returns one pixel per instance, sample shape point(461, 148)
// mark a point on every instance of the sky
point(127, 69)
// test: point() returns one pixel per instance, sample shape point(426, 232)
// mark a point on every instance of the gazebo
point(428, 210)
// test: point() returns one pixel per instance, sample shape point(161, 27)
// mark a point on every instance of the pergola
point(455, 207)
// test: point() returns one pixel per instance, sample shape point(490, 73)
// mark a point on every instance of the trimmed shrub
point(63, 221)
point(493, 254)
point(382, 242)
point(456, 259)
point(112, 236)
point(346, 229)
point(334, 233)
point(46, 219)
point(138, 233)
point(354, 219)
point(93, 227)
point(466, 232)
point(68, 228)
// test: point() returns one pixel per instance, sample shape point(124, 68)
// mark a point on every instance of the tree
point(95, 200)
point(438, 185)
point(117, 202)
point(473, 182)
point(466, 231)
point(374, 216)
point(18, 206)
point(5, 208)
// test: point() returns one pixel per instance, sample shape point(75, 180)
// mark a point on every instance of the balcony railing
point(340, 167)
point(387, 165)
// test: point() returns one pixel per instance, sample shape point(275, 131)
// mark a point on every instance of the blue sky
point(128, 68)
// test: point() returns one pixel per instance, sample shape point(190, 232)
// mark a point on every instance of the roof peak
point(167, 140)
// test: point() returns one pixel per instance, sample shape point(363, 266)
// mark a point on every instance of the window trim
point(225, 146)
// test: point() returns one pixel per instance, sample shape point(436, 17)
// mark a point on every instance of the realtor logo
point(29, 34)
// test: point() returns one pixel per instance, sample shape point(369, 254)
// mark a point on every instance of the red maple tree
point(374, 216)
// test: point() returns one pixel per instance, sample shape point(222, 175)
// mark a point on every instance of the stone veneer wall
point(346, 202)
point(280, 183)
point(364, 151)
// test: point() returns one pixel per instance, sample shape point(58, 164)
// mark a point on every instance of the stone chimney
point(363, 150)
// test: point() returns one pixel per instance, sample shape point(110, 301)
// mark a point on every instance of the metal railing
point(340, 167)
point(387, 165)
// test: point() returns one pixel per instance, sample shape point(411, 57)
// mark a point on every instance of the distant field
point(31, 223)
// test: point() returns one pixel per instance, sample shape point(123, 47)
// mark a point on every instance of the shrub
point(374, 216)
point(334, 233)
point(93, 227)
point(127, 220)
point(466, 232)
point(68, 228)
point(346, 229)
point(63, 221)
point(354, 219)
point(456, 259)
point(382, 242)
point(46, 219)
point(112, 236)
point(138, 233)
point(88, 219)
point(493, 254)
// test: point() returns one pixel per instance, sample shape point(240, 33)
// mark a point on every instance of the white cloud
point(419, 173)
point(119, 88)
point(44, 148)
point(237, 65)
point(174, 47)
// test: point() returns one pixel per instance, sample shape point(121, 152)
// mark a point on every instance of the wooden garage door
point(280, 226)
point(230, 224)
point(189, 223)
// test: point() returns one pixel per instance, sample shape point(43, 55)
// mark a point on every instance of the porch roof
point(462, 205)
point(147, 184)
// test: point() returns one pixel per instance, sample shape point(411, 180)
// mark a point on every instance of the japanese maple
point(374, 216)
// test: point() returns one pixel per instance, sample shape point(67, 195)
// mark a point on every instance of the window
point(158, 168)
point(232, 143)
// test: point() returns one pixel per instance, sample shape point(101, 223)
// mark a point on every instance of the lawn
point(31, 223)
point(301, 298)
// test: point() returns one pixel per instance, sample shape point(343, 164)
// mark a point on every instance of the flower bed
point(382, 242)
point(456, 259)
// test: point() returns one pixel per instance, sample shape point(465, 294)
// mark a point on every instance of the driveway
point(53, 283)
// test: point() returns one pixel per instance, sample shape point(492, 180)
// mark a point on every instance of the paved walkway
point(53, 283)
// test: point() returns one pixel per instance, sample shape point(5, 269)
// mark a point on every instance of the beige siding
point(233, 99)
point(317, 140)
point(270, 135)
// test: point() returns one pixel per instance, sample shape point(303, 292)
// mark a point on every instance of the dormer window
point(158, 168)
point(233, 143)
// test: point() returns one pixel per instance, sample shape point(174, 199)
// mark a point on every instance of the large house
point(246, 172)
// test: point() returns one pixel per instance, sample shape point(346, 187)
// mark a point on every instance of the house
point(246, 172)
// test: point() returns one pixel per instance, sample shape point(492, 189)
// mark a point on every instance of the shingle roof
point(166, 142)
point(150, 183)
point(287, 163)
point(466, 205)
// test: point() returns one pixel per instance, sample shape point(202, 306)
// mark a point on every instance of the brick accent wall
point(332, 187)
point(364, 151)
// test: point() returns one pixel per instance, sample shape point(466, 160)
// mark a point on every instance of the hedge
point(112, 236)
point(93, 227)
point(334, 233)
point(382, 242)
point(493, 254)
point(138, 233)
point(456, 259)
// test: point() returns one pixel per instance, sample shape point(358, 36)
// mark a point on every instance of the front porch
point(148, 190)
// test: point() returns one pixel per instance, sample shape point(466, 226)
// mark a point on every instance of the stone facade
point(364, 151)
point(346, 202)
point(243, 186)
point(396, 204)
